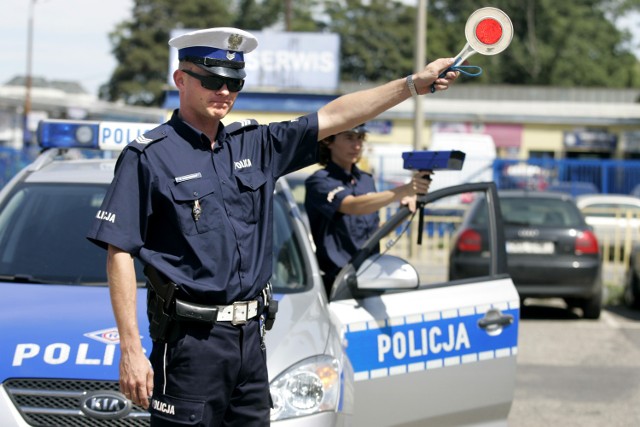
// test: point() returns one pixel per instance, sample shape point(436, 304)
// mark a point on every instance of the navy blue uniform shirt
point(223, 253)
point(337, 236)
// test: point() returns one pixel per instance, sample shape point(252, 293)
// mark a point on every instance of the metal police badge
point(234, 41)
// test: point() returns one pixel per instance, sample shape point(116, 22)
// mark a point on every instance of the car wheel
point(631, 290)
point(592, 307)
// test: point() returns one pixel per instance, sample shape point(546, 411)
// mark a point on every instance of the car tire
point(592, 307)
point(631, 290)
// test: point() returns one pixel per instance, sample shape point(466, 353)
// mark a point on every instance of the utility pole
point(420, 61)
point(26, 133)
point(287, 15)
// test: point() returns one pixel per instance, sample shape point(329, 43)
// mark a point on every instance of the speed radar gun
point(489, 31)
point(431, 161)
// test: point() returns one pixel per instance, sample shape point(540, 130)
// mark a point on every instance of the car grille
point(53, 402)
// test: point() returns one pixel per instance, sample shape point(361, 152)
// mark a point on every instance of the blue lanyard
point(467, 70)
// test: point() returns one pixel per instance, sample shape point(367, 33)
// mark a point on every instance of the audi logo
point(528, 232)
point(105, 405)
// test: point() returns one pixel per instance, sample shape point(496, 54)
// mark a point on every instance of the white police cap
point(216, 50)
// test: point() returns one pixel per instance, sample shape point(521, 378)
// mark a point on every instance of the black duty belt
point(238, 313)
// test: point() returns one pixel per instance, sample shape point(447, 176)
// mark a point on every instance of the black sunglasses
point(212, 82)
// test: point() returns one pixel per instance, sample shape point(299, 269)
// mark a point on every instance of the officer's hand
point(430, 75)
point(410, 202)
point(136, 377)
point(421, 181)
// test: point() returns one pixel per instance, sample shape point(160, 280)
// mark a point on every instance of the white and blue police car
point(382, 350)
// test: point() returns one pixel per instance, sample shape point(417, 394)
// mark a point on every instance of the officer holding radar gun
point(342, 201)
point(192, 200)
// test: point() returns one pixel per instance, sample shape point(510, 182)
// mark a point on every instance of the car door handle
point(494, 319)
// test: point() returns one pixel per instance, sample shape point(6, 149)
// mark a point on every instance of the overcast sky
point(70, 39)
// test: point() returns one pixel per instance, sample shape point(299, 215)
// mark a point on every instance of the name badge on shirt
point(189, 177)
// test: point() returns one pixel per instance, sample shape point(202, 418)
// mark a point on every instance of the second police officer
point(192, 199)
point(342, 201)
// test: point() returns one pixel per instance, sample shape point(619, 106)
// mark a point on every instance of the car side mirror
point(376, 274)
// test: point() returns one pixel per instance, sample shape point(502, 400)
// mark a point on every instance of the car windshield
point(43, 229)
point(42, 234)
point(534, 212)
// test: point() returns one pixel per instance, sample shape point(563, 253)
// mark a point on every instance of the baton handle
point(462, 56)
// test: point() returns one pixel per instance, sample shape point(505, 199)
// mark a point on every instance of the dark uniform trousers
point(220, 374)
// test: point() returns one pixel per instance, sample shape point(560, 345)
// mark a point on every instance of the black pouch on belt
point(160, 306)
point(191, 312)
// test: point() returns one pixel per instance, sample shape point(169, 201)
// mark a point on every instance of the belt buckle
point(240, 312)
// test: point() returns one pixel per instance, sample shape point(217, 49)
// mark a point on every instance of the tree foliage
point(559, 43)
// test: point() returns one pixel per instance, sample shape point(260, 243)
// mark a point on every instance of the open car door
point(429, 354)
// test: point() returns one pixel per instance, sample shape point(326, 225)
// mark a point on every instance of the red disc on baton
point(489, 31)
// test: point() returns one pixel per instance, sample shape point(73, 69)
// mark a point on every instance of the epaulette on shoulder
point(149, 137)
point(242, 125)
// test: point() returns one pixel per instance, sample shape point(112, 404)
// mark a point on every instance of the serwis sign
point(286, 60)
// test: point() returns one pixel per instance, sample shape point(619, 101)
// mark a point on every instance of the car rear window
point(537, 212)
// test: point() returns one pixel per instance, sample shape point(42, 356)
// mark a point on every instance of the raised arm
point(354, 108)
point(372, 202)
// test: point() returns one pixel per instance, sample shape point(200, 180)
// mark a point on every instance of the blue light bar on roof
point(89, 134)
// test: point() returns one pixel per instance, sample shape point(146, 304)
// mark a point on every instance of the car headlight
point(310, 386)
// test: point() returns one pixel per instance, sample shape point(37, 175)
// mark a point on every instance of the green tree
point(287, 15)
point(568, 43)
point(559, 43)
point(376, 38)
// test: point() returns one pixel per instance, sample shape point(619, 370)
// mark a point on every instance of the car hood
point(68, 331)
point(61, 331)
point(301, 330)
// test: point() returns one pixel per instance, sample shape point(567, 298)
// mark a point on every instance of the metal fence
point(571, 175)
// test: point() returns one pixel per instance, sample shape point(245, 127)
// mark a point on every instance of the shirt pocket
point(250, 186)
point(185, 194)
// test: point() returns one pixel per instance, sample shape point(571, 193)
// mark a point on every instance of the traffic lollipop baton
point(489, 31)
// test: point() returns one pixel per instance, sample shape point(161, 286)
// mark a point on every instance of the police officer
point(342, 202)
point(192, 199)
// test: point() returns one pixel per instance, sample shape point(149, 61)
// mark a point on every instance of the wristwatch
point(411, 86)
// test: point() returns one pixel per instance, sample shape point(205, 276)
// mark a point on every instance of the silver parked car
point(383, 350)
point(615, 218)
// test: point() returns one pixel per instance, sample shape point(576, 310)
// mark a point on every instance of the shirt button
point(195, 193)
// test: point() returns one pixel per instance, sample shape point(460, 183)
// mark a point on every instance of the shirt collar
point(194, 136)
point(340, 173)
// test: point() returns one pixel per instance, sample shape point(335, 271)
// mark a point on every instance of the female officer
point(342, 202)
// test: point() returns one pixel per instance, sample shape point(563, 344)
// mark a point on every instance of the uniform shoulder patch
point(236, 127)
point(149, 137)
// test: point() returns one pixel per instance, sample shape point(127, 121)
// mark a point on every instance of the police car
point(381, 350)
